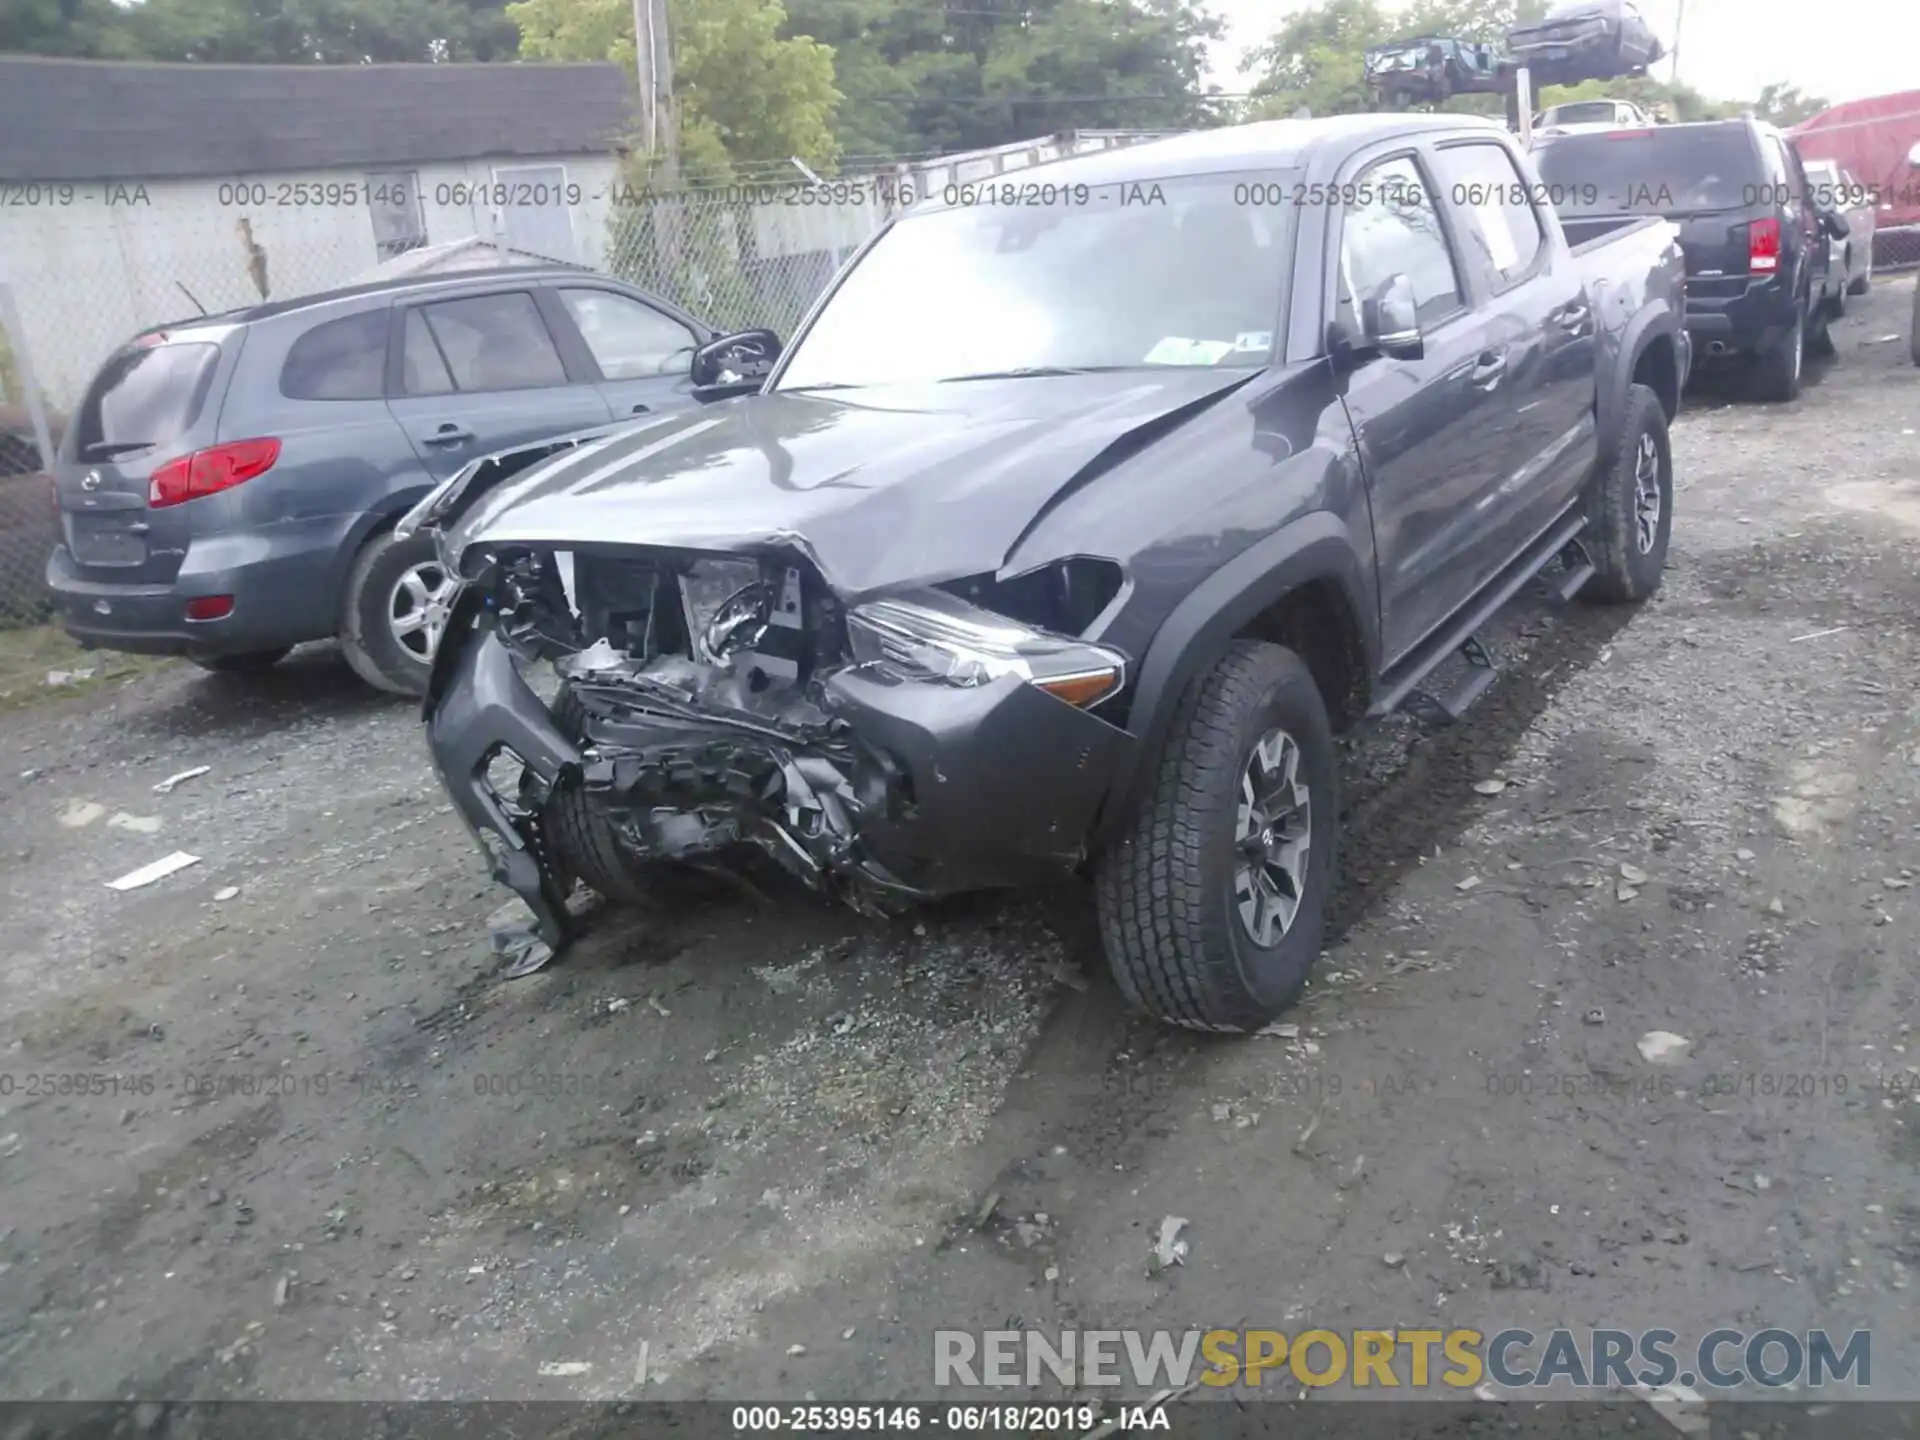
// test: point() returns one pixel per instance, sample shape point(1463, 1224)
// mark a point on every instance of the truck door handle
point(1486, 374)
point(640, 410)
point(450, 434)
point(1574, 317)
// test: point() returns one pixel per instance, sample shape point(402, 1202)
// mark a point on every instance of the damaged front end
point(697, 703)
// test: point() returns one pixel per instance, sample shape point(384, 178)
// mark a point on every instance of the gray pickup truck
point(1076, 558)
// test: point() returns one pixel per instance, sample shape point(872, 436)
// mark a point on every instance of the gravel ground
point(304, 1147)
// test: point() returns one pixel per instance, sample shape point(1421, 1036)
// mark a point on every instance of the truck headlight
point(935, 636)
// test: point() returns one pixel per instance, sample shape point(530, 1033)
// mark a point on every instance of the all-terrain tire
point(584, 844)
point(1630, 558)
point(1168, 914)
point(366, 632)
point(249, 662)
point(1777, 369)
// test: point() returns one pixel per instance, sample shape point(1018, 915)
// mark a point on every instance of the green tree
point(922, 76)
point(742, 92)
point(94, 29)
point(1679, 103)
point(1785, 105)
point(335, 32)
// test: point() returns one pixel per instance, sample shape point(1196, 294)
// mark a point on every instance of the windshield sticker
point(1254, 340)
point(1178, 350)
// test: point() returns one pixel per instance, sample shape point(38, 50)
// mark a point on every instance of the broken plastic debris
point(1281, 1031)
point(81, 812)
point(1663, 1047)
point(1470, 883)
point(1624, 891)
point(138, 824)
point(1633, 875)
point(227, 893)
point(165, 787)
point(68, 677)
point(1171, 1248)
point(512, 932)
point(158, 870)
point(564, 1367)
point(1489, 787)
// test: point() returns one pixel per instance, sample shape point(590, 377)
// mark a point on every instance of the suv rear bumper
point(1734, 327)
point(283, 599)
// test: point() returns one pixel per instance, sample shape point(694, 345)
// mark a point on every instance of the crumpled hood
point(880, 488)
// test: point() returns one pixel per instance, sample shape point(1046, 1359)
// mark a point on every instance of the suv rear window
point(339, 360)
point(144, 395)
point(1667, 171)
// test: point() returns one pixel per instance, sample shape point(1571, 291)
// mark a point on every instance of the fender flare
point(1197, 633)
point(384, 514)
point(1656, 318)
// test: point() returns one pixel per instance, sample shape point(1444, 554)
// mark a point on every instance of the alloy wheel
point(1646, 494)
point(1273, 837)
point(418, 607)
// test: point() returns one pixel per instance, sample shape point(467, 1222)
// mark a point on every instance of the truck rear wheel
point(1213, 903)
point(1630, 506)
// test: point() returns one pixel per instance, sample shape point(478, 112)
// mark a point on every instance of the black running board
point(1401, 686)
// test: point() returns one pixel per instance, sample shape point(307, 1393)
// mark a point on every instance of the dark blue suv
point(229, 485)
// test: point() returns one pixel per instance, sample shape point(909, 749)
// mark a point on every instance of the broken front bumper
point(930, 789)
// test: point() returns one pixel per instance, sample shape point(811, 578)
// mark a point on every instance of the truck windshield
point(1673, 170)
point(1027, 276)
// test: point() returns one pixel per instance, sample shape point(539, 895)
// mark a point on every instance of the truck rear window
point(1667, 171)
point(144, 395)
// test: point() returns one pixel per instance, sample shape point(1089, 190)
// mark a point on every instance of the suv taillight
point(207, 472)
point(1763, 247)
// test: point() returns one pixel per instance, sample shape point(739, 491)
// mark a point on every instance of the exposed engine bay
point(692, 686)
point(707, 702)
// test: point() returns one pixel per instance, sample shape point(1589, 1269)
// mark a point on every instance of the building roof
point(84, 120)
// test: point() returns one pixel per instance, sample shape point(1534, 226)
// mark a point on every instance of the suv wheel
point(1820, 325)
point(1776, 375)
point(1213, 903)
point(396, 606)
point(1630, 507)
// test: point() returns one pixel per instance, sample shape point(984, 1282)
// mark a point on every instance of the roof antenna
point(190, 295)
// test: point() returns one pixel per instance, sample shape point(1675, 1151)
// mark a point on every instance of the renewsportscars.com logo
point(1396, 1359)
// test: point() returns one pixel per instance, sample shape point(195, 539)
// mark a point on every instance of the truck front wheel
point(1213, 903)
point(1630, 506)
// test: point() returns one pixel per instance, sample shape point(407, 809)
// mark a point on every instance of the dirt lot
point(312, 1150)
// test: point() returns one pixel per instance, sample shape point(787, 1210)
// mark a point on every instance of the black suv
point(1763, 278)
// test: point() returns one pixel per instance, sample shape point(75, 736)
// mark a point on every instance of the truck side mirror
point(1913, 157)
point(1390, 318)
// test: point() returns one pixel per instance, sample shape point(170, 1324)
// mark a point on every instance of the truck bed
point(1590, 233)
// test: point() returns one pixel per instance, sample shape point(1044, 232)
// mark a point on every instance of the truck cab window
point(1393, 228)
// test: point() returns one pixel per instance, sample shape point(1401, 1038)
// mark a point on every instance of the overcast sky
point(1841, 49)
